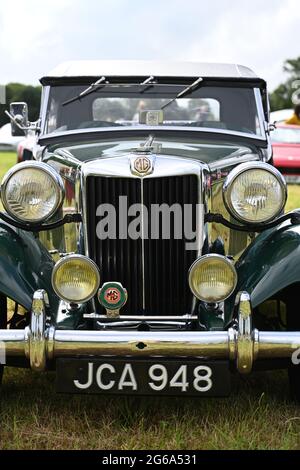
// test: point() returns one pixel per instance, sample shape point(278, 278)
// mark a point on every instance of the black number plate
point(143, 377)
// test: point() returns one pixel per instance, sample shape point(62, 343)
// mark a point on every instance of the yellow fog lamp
point(212, 278)
point(75, 278)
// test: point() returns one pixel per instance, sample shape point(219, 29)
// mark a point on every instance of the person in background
point(295, 119)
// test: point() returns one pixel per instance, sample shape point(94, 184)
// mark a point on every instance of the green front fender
point(270, 263)
point(25, 266)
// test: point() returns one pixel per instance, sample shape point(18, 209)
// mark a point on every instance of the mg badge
point(112, 296)
point(142, 165)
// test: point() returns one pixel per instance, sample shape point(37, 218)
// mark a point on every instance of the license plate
point(143, 377)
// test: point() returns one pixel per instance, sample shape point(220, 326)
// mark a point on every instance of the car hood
point(204, 151)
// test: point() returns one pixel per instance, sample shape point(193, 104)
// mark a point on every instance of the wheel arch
point(25, 266)
point(270, 264)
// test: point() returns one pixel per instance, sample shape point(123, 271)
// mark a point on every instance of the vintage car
point(146, 246)
point(286, 151)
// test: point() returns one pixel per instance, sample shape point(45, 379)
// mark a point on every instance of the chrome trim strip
point(153, 325)
point(232, 161)
point(36, 332)
point(245, 347)
point(44, 106)
point(195, 132)
point(143, 318)
point(143, 243)
point(260, 111)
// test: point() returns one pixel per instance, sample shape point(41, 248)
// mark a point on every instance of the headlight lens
point(255, 193)
point(75, 278)
point(32, 192)
point(212, 278)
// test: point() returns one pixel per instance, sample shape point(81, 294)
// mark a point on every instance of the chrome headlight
point(32, 192)
point(254, 192)
point(75, 278)
point(212, 278)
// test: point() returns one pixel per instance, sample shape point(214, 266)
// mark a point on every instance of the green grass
point(293, 201)
point(7, 160)
point(257, 415)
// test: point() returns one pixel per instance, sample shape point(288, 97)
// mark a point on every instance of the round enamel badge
point(112, 295)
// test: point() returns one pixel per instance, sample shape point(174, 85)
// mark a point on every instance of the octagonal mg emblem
point(142, 165)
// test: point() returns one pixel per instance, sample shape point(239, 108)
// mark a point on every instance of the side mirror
point(19, 118)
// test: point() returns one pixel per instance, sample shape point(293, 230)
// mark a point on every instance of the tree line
point(287, 94)
point(18, 92)
point(284, 96)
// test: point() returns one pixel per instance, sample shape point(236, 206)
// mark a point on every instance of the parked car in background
point(281, 116)
point(286, 151)
point(7, 141)
point(179, 265)
point(25, 148)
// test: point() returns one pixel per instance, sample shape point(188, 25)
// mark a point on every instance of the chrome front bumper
point(242, 345)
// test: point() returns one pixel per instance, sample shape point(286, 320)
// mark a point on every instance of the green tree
point(281, 98)
point(19, 92)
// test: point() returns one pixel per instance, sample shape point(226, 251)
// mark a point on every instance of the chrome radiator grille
point(154, 271)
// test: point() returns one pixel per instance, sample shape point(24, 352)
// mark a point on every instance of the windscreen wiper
point(149, 82)
point(100, 84)
point(90, 89)
point(184, 92)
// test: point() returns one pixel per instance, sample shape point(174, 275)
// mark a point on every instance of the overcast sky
point(36, 35)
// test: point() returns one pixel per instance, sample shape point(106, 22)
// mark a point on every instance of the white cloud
point(35, 35)
point(260, 37)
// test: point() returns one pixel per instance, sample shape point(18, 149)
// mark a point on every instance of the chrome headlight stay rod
point(32, 227)
point(294, 217)
point(210, 217)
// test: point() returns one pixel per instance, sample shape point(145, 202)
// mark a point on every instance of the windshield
point(286, 135)
point(115, 105)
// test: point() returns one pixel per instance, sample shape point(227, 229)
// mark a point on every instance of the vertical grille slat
point(166, 262)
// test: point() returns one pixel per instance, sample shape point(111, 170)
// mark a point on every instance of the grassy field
point(257, 415)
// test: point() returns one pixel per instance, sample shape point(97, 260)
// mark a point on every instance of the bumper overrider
point(241, 344)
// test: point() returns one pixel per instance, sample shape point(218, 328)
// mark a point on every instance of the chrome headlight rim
point(202, 259)
point(42, 166)
point(237, 171)
point(64, 260)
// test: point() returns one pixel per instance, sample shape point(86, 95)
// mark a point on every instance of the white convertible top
point(135, 68)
